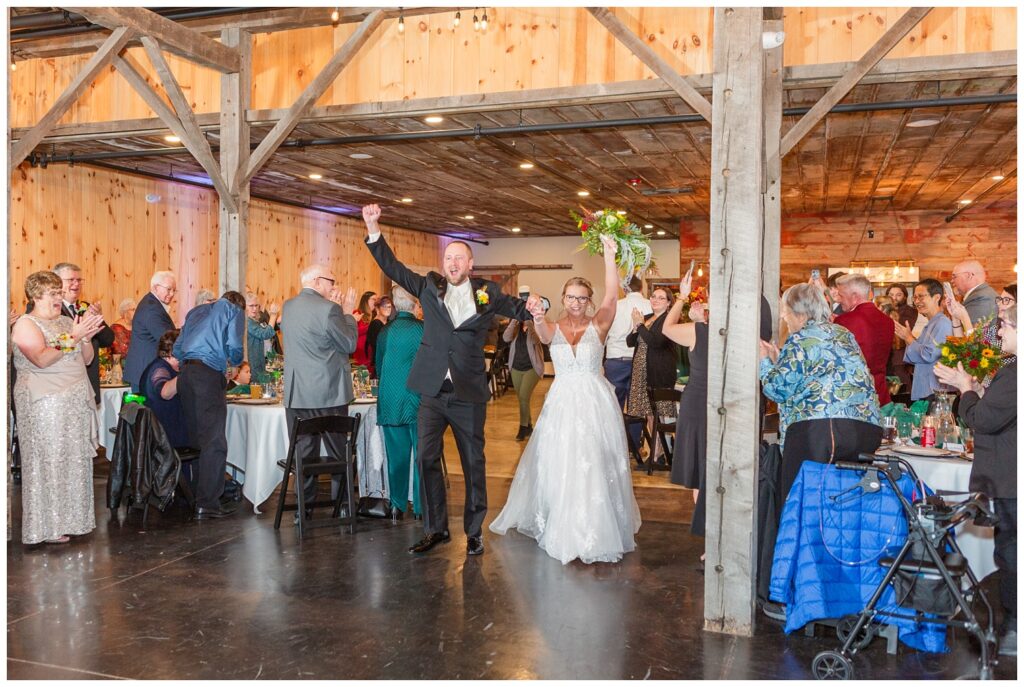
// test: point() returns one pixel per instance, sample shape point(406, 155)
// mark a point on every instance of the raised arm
point(606, 312)
point(381, 252)
point(683, 333)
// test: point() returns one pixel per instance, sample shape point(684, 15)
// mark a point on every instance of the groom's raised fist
point(371, 214)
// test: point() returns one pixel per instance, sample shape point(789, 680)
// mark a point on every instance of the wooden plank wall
point(102, 221)
point(821, 240)
point(523, 48)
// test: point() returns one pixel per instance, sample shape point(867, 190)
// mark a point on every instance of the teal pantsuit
point(397, 407)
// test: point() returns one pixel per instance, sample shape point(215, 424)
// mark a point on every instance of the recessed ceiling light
point(661, 232)
point(467, 217)
point(525, 165)
point(648, 226)
point(361, 156)
point(406, 200)
point(930, 121)
point(516, 230)
point(434, 119)
point(998, 177)
point(316, 176)
point(965, 201)
point(172, 139)
point(583, 194)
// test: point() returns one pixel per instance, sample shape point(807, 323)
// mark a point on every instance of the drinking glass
point(967, 438)
point(905, 430)
point(889, 429)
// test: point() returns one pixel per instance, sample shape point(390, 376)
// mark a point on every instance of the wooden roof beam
point(865, 64)
point(650, 58)
point(175, 37)
point(110, 48)
point(307, 99)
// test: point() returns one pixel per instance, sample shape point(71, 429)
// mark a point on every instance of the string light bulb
point(401, 22)
point(483, 22)
point(14, 66)
point(700, 270)
point(458, 18)
point(476, 21)
point(335, 15)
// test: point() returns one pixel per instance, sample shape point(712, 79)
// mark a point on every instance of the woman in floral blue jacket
point(828, 409)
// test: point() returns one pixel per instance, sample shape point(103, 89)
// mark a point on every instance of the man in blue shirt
point(210, 341)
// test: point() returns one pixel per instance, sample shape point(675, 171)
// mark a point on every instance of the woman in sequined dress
point(56, 415)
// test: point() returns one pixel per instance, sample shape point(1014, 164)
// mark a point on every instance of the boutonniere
point(79, 308)
point(482, 298)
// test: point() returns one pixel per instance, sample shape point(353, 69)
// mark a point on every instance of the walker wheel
point(832, 665)
point(845, 627)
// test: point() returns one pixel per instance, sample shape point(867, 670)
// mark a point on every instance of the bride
point(573, 490)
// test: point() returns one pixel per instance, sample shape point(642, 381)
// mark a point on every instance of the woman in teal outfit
point(397, 407)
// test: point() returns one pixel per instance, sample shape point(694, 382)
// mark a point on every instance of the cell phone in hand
point(815, 274)
point(689, 272)
point(948, 288)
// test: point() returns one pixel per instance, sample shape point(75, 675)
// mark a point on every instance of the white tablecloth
point(953, 474)
point(258, 437)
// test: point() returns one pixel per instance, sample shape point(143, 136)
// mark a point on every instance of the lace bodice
point(586, 359)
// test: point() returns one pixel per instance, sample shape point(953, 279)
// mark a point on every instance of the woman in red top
point(364, 315)
point(123, 327)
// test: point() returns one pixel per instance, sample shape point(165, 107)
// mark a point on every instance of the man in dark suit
point(449, 375)
point(148, 325)
point(873, 329)
point(71, 291)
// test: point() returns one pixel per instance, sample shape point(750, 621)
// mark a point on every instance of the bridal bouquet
point(63, 343)
point(979, 352)
point(634, 254)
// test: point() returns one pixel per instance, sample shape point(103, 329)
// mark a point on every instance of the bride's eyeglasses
point(583, 300)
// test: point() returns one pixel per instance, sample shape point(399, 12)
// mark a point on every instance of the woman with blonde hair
point(573, 491)
point(56, 414)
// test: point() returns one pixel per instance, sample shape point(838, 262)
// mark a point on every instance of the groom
point(449, 376)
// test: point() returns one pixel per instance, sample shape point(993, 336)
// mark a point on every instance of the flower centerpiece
point(979, 352)
point(634, 247)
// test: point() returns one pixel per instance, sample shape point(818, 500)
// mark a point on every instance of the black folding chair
point(645, 436)
point(301, 467)
point(662, 429)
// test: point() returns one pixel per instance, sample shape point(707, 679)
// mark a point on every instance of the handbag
point(374, 506)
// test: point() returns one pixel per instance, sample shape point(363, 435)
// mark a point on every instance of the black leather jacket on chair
point(143, 462)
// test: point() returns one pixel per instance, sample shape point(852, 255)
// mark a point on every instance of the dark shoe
point(528, 432)
point(522, 433)
point(212, 513)
point(775, 611)
point(430, 541)
point(1008, 643)
point(474, 546)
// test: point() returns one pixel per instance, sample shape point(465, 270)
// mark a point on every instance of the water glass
point(889, 430)
point(905, 430)
point(967, 439)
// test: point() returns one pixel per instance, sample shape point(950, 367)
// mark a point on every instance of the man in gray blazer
point(978, 297)
point(319, 335)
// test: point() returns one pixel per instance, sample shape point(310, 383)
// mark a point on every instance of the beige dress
point(57, 433)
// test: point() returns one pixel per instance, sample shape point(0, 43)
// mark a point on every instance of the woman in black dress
point(654, 362)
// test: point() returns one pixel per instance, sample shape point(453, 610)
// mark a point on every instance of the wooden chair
point(318, 427)
point(662, 429)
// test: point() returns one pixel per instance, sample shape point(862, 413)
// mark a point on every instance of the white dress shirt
point(622, 325)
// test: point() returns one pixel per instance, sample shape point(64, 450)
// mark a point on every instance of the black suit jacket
point(993, 417)
point(446, 347)
point(148, 325)
point(104, 338)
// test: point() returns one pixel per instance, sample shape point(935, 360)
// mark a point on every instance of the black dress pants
point(309, 448)
point(1006, 555)
point(823, 441)
point(467, 422)
point(206, 410)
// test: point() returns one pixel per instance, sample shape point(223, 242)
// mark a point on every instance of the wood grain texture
point(541, 47)
point(102, 221)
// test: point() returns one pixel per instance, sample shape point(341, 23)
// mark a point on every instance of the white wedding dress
point(573, 489)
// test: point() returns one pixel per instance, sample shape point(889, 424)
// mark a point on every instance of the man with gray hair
point(71, 291)
point(204, 296)
point(979, 298)
point(319, 334)
point(873, 329)
point(150, 322)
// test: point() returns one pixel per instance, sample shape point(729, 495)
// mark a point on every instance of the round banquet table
point(257, 437)
point(954, 474)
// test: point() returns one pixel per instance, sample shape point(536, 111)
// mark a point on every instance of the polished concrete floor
point(235, 599)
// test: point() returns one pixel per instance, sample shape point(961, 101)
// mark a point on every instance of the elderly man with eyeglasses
point(978, 298)
point(151, 321)
point(72, 306)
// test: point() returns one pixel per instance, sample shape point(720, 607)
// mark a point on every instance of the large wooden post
point(772, 199)
point(737, 220)
point(234, 160)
